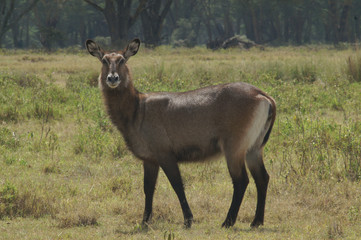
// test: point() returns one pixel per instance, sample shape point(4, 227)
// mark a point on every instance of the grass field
point(65, 172)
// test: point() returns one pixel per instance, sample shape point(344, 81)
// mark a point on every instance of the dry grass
point(353, 67)
point(65, 172)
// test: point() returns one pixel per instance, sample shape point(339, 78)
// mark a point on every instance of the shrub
point(76, 82)
point(121, 185)
point(21, 79)
point(29, 203)
point(306, 73)
point(81, 217)
point(8, 197)
point(184, 35)
point(8, 139)
point(77, 220)
point(335, 231)
point(353, 67)
point(91, 141)
point(26, 96)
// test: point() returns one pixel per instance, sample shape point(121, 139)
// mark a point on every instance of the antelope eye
point(120, 61)
point(104, 61)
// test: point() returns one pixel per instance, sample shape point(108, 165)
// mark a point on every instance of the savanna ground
point(65, 172)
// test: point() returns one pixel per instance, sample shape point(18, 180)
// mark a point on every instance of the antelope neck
point(122, 105)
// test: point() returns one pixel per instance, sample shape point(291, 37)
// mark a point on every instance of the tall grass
point(353, 67)
point(23, 204)
point(27, 97)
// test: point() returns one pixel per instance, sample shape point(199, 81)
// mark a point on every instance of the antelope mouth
point(113, 84)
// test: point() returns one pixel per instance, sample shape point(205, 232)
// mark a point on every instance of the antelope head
point(115, 72)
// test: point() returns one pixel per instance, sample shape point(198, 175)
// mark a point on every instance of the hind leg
point(256, 166)
point(238, 172)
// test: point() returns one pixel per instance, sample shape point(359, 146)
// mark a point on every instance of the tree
point(152, 18)
point(227, 22)
point(25, 23)
point(183, 23)
point(119, 18)
point(339, 21)
point(80, 21)
point(47, 17)
point(344, 20)
point(207, 17)
point(217, 19)
point(11, 12)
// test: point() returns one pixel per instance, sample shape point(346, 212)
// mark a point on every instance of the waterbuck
point(165, 128)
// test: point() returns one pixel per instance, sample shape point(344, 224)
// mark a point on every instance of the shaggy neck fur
point(122, 105)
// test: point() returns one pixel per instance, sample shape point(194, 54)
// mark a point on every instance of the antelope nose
point(113, 78)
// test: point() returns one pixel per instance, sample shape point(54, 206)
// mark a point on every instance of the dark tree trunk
point(152, 21)
point(228, 28)
point(344, 20)
point(333, 18)
point(9, 17)
point(307, 34)
point(209, 29)
point(249, 26)
point(277, 28)
point(27, 32)
point(286, 30)
point(6, 11)
point(327, 28)
point(16, 36)
point(357, 28)
point(299, 23)
point(83, 34)
point(255, 25)
point(113, 23)
point(237, 27)
point(118, 15)
point(207, 18)
point(47, 16)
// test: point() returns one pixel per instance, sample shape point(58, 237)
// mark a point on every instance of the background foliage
point(62, 23)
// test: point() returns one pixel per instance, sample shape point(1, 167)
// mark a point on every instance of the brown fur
point(165, 128)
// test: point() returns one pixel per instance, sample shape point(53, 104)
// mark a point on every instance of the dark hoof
point(144, 225)
point(188, 223)
point(256, 223)
point(228, 223)
point(147, 217)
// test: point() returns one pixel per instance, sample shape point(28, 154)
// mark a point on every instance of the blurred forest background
point(52, 24)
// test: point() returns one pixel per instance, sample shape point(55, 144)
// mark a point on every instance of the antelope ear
point(94, 49)
point(132, 48)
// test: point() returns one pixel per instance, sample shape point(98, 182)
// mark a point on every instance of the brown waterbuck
point(163, 129)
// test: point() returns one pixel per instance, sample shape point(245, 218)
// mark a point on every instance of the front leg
point(172, 172)
point(150, 178)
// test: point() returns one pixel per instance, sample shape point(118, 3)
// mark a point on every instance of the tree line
point(62, 23)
